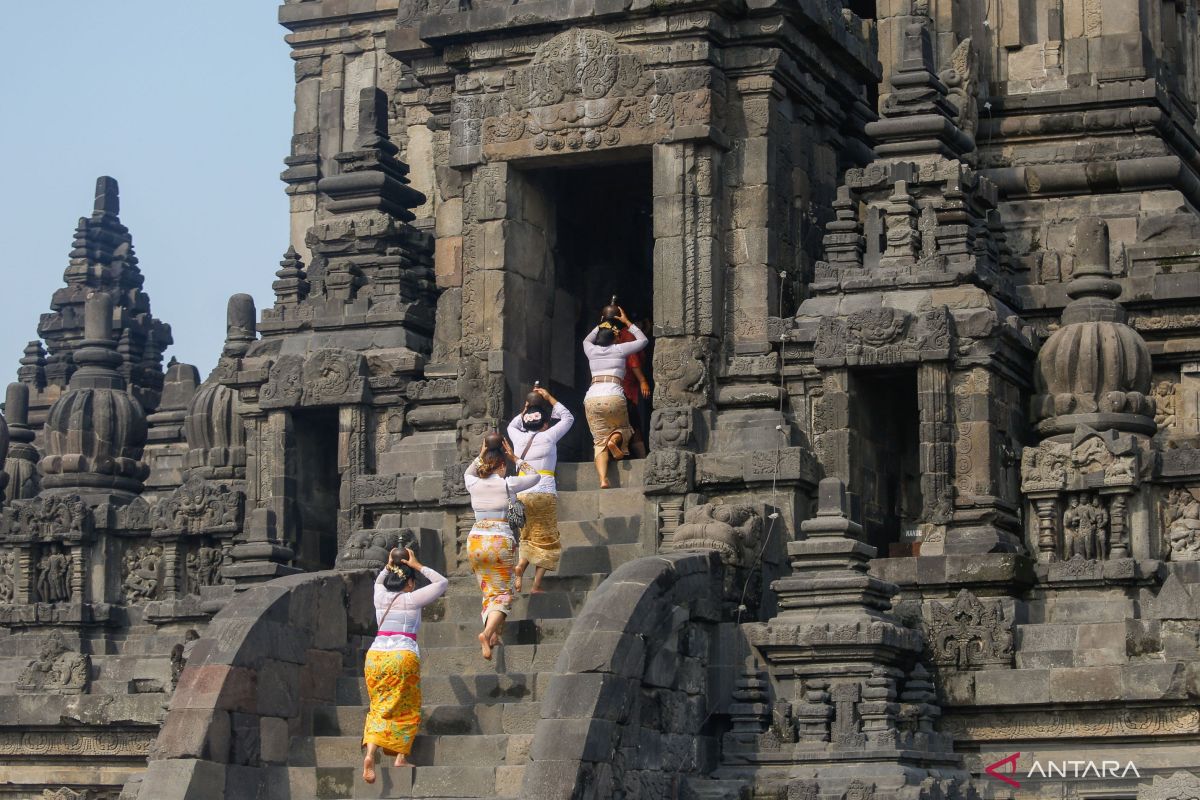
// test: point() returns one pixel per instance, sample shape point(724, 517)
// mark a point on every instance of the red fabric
point(631, 385)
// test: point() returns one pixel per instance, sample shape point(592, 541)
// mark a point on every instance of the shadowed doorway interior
point(603, 246)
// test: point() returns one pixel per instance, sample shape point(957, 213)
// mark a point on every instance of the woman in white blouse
point(604, 404)
point(393, 662)
point(535, 434)
point(492, 546)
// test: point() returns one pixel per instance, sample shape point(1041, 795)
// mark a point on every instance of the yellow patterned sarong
point(605, 415)
point(394, 686)
point(540, 545)
point(491, 553)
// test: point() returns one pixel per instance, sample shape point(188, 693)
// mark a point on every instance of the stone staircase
point(478, 717)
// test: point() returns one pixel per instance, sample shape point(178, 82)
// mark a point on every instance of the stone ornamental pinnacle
point(921, 505)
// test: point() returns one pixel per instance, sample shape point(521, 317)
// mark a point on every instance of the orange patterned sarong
point(492, 555)
point(394, 686)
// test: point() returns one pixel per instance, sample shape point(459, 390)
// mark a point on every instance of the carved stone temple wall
point(923, 282)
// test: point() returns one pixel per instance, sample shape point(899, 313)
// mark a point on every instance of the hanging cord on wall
point(773, 517)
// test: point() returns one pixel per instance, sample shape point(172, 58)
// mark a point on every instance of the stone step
point(480, 688)
point(516, 631)
point(602, 559)
point(430, 782)
point(603, 530)
point(551, 582)
point(428, 750)
point(600, 504)
point(466, 660)
point(464, 720)
point(581, 475)
point(344, 782)
point(467, 605)
point(437, 720)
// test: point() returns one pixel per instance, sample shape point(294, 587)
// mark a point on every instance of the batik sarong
point(539, 538)
point(394, 686)
point(491, 552)
point(604, 416)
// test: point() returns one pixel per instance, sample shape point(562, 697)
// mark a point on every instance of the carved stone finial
point(33, 365)
point(108, 198)
point(179, 386)
point(373, 120)
point(291, 286)
point(916, 116)
point(95, 431)
point(833, 513)
point(1095, 369)
point(831, 498)
point(259, 555)
point(102, 261)
point(241, 325)
point(371, 177)
point(215, 433)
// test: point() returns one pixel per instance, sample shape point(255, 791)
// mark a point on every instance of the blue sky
point(188, 106)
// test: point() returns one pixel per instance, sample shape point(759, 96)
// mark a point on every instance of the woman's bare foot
point(400, 762)
point(604, 484)
point(517, 583)
point(369, 769)
point(613, 445)
point(485, 646)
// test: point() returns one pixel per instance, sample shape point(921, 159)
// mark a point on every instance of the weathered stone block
point(275, 738)
point(279, 687)
point(588, 695)
point(579, 739)
point(194, 733)
point(1012, 687)
point(1095, 684)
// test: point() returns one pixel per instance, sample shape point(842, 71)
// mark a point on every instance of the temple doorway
point(318, 488)
point(602, 244)
point(885, 460)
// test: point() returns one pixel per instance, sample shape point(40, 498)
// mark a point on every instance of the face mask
point(533, 419)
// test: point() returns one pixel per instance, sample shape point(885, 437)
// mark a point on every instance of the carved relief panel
point(582, 90)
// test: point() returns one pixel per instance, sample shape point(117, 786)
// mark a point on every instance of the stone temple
point(923, 490)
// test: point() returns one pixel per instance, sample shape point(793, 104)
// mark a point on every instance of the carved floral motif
point(580, 91)
point(283, 386)
point(1051, 725)
point(969, 633)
